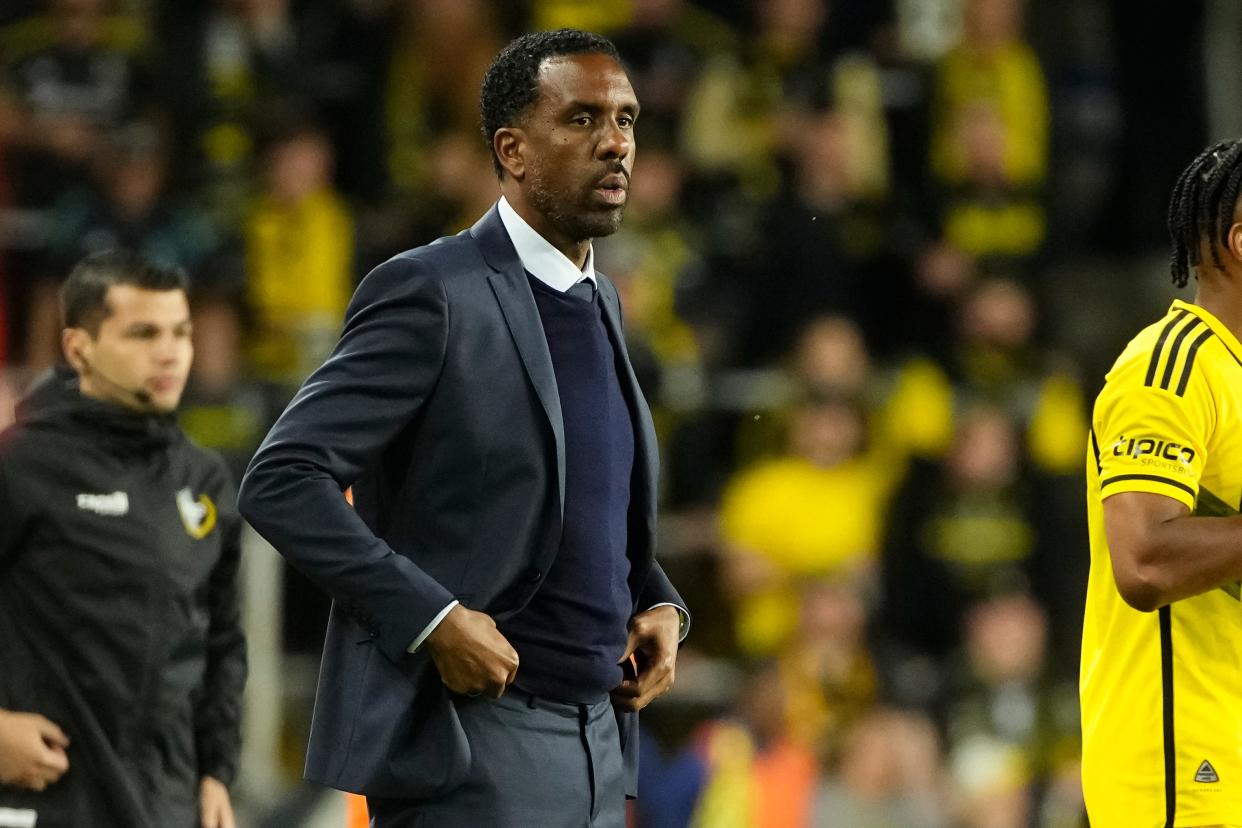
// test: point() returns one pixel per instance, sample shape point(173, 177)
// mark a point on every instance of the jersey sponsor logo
point(109, 505)
point(198, 514)
point(1206, 773)
point(1137, 447)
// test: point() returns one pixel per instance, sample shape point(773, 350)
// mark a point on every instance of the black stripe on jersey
point(1230, 350)
point(1166, 679)
point(1175, 483)
point(1095, 448)
point(1190, 361)
point(1175, 349)
point(1155, 353)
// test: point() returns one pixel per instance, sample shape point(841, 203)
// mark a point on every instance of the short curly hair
point(512, 81)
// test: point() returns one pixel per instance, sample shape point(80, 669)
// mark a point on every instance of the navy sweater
point(570, 635)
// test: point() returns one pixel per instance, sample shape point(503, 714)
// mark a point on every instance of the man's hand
point(32, 750)
point(215, 809)
point(653, 643)
point(471, 654)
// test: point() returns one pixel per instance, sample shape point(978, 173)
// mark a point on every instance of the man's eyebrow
point(630, 108)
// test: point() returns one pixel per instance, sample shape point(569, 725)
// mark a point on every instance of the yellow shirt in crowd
point(808, 522)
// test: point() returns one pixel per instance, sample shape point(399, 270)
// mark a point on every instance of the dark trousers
point(535, 763)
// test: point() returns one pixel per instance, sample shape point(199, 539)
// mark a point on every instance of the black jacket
point(119, 548)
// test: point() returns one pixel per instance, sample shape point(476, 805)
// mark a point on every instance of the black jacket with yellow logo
point(119, 545)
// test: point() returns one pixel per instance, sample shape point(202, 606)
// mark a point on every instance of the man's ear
point(509, 144)
point(75, 342)
point(1234, 240)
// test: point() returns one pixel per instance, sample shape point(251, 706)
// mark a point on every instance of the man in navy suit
point(498, 615)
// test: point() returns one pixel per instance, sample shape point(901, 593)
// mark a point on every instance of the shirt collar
point(1218, 327)
point(539, 257)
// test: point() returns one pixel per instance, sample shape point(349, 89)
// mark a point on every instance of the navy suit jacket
point(439, 406)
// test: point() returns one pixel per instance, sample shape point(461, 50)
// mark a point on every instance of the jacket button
point(534, 575)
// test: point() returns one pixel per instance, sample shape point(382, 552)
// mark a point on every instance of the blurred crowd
point(838, 269)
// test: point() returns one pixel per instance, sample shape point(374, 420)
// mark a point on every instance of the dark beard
point(577, 225)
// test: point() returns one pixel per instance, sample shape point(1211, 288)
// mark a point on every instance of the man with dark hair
point(498, 615)
point(119, 632)
point(1162, 638)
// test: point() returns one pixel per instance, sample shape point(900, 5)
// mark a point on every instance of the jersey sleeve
point(1149, 439)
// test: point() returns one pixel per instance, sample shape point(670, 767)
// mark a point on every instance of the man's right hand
point(32, 750)
point(472, 656)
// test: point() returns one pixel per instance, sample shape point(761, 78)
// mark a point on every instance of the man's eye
point(582, 120)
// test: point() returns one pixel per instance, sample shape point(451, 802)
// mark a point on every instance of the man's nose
point(166, 349)
point(616, 142)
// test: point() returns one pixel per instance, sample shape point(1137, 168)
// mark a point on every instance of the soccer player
point(1161, 677)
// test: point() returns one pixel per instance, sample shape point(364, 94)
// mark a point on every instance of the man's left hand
point(653, 643)
point(215, 809)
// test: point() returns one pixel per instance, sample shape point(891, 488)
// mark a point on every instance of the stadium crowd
point(851, 269)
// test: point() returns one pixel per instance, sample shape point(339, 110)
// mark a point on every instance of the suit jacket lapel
point(646, 450)
point(517, 303)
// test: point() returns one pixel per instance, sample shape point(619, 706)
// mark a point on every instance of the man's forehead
point(566, 78)
point(127, 303)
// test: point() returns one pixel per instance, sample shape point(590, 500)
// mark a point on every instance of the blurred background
point(878, 257)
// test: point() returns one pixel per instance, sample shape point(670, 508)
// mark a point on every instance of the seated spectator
point(69, 94)
point(440, 51)
point(230, 68)
point(1012, 729)
point(999, 360)
point(990, 131)
point(131, 207)
point(888, 774)
point(756, 775)
point(128, 207)
point(1000, 223)
point(910, 404)
point(815, 512)
point(299, 257)
point(992, 65)
point(827, 668)
point(995, 359)
point(957, 531)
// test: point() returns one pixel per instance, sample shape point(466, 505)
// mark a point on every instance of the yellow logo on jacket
point(198, 515)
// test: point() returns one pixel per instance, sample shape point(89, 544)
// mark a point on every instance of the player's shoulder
point(1173, 354)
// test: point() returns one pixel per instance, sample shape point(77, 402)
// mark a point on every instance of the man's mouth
point(612, 189)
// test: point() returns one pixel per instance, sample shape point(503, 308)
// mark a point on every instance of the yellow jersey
point(1162, 692)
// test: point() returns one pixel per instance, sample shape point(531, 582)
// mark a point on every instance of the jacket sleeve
point(379, 376)
point(217, 715)
point(660, 590)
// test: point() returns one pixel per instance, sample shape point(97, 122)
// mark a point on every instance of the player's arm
point(1151, 432)
point(1161, 554)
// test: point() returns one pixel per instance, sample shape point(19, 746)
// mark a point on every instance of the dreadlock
point(1202, 207)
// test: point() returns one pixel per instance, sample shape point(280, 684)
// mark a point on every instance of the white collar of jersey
point(539, 257)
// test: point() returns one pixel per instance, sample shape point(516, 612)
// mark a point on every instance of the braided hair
point(1202, 206)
